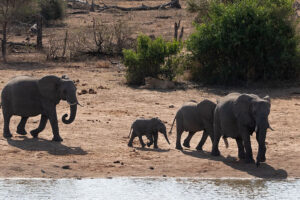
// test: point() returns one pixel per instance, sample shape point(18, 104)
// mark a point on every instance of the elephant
point(193, 117)
point(238, 116)
point(27, 97)
point(148, 127)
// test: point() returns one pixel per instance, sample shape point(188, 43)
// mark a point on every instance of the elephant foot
point(155, 147)
point(249, 160)
point(34, 133)
point(130, 144)
point(143, 145)
point(186, 144)
point(179, 147)
point(199, 148)
point(242, 156)
point(7, 135)
point(215, 152)
point(21, 132)
point(149, 144)
point(57, 139)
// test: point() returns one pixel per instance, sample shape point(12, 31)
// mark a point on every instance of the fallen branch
point(172, 4)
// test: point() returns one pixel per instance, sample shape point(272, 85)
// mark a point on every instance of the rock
point(117, 161)
point(152, 168)
point(154, 83)
point(171, 106)
point(92, 91)
point(43, 171)
point(164, 175)
point(66, 167)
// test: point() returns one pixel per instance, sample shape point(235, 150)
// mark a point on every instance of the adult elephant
point(194, 117)
point(27, 97)
point(238, 116)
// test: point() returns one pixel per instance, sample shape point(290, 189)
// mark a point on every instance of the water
point(148, 188)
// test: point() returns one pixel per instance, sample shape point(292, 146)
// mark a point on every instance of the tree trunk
point(4, 41)
point(39, 37)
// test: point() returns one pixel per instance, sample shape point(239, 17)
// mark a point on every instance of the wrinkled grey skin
point(193, 117)
point(238, 116)
point(148, 127)
point(27, 97)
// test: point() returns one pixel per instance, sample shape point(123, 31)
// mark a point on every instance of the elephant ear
point(242, 109)
point(49, 87)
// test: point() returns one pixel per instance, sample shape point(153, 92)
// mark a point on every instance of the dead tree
point(176, 27)
point(172, 4)
point(39, 37)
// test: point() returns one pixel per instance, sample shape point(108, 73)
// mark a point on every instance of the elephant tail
point(170, 132)
point(130, 132)
point(226, 142)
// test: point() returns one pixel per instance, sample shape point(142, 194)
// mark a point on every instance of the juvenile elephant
point(193, 117)
point(148, 127)
point(238, 116)
point(27, 97)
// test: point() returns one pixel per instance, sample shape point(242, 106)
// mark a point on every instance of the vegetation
point(248, 40)
point(52, 9)
point(149, 59)
point(9, 10)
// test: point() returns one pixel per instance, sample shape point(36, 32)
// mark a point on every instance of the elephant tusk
point(271, 128)
point(79, 104)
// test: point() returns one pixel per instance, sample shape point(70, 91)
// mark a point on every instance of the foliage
point(149, 59)
point(52, 9)
point(248, 40)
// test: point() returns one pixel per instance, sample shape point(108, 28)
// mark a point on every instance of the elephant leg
point(6, 131)
point(21, 127)
point(141, 140)
point(178, 138)
point(53, 121)
point(215, 148)
point(155, 137)
point(41, 127)
point(241, 148)
point(247, 144)
point(150, 138)
point(202, 141)
point(187, 140)
point(133, 135)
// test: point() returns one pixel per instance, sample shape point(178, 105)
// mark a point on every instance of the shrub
point(149, 58)
point(249, 40)
point(53, 9)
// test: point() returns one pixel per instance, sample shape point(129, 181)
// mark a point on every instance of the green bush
point(149, 59)
point(248, 40)
point(53, 9)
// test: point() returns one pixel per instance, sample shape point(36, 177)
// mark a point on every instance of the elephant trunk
point(73, 109)
point(261, 130)
point(165, 134)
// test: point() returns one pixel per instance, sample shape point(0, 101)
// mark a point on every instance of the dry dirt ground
point(95, 144)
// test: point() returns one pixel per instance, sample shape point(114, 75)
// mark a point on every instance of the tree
point(9, 9)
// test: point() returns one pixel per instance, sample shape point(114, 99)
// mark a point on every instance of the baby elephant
point(148, 127)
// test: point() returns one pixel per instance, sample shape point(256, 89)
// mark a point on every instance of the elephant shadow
point(153, 150)
point(263, 171)
point(39, 144)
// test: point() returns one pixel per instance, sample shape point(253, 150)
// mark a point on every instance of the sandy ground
point(95, 144)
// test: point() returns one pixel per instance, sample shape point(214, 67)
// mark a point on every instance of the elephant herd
point(235, 115)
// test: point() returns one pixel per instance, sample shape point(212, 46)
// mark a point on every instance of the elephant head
point(160, 127)
point(252, 112)
point(55, 89)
